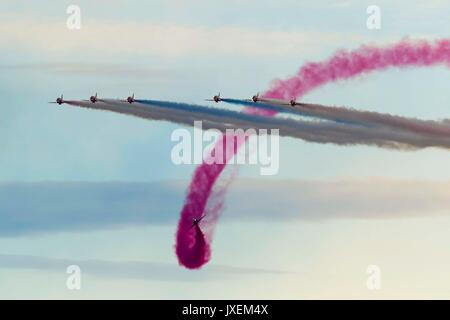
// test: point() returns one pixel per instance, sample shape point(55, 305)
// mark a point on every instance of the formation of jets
point(291, 102)
point(216, 99)
point(256, 98)
point(93, 99)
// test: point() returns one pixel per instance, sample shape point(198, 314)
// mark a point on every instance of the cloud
point(27, 208)
point(99, 69)
point(130, 269)
point(102, 36)
point(374, 198)
point(47, 206)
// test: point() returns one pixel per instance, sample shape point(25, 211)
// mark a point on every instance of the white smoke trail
point(378, 134)
point(435, 128)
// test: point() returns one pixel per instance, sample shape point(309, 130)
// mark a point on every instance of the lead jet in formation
point(216, 98)
point(130, 99)
point(93, 99)
point(59, 100)
point(255, 98)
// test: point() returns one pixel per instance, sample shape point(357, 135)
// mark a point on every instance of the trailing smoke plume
point(341, 126)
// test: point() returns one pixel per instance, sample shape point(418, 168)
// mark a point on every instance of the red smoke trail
point(192, 246)
point(344, 65)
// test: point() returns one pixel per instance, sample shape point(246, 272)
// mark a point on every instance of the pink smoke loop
point(193, 247)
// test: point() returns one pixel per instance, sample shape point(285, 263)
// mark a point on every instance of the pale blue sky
point(188, 51)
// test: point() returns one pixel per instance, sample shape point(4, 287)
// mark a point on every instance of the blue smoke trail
point(224, 113)
point(313, 131)
point(264, 105)
point(295, 111)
